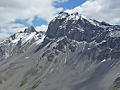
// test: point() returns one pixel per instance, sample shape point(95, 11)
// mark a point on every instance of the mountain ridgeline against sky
point(75, 53)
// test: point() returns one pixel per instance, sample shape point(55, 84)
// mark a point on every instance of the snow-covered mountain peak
point(73, 16)
point(20, 42)
point(70, 25)
point(24, 36)
point(27, 35)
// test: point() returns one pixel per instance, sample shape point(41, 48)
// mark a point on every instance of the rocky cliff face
point(77, 53)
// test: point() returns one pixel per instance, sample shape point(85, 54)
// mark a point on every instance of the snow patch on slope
point(40, 40)
point(114, 34)
point(23, 36)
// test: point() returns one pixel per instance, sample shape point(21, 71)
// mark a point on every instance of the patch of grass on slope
point(23, 82)
point(115, 88)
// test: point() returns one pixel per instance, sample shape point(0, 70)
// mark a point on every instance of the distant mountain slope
point(20, 42)
point(76, 53)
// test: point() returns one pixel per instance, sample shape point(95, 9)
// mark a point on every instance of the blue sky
point(16, 15)
point(36, 22)
point(70, 4)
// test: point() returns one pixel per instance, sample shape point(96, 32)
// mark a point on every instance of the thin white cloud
point(103, 10)
point(6, 31)
point(27, 9)
point(12, 28)
point(41, 28)
point(3, 36)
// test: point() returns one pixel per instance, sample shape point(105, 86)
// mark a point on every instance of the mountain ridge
point(20, 41)
point(75, 53)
